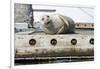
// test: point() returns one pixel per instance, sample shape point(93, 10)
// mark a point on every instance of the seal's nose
point(46, 19)
point(47, 16)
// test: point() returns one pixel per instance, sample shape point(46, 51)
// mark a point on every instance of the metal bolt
point(92, 41)
point(73, 41)
point(53, 42)
point(32, 41)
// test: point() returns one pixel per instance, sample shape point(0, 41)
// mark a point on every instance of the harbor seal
point(57, 24)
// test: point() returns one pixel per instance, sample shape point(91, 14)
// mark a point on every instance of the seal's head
point(45, 19)
point(48, 25)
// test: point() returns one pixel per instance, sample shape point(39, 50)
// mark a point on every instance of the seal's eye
point(42, 19)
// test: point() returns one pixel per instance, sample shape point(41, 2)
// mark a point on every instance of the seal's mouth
point(47, 22)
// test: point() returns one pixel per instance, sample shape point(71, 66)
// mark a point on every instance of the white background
point(78, 14)
point(5, 36)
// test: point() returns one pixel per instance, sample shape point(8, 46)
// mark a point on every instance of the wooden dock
point(37, 48)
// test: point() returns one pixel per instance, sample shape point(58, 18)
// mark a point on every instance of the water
point(60, 60)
